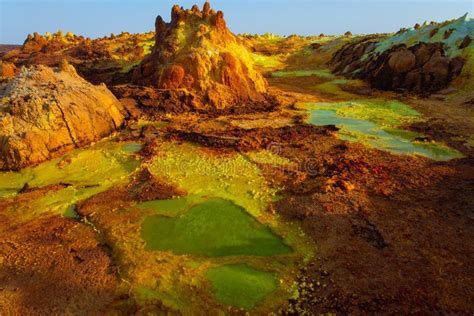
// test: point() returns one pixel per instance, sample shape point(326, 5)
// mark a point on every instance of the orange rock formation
point(45, 112)
point(197, 52)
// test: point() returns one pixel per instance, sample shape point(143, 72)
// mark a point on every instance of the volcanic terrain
point(191, 170)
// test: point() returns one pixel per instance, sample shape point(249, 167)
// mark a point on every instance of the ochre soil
point(54, 265)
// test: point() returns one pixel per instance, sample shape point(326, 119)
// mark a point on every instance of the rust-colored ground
point(54, 265)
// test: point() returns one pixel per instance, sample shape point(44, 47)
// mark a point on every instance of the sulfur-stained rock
point(46, 112)
point(197, 52)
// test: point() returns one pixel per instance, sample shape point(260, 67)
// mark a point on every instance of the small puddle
point(241, 286)
point(380, 131)
point(70, 212)
point(132, 147)
point(213, 228)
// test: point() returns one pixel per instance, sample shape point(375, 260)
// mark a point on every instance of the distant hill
point(5, 48)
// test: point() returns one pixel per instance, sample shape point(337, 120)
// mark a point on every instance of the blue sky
point(101, 17)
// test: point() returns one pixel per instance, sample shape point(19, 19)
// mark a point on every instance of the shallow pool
point(380, 131)
point(213, 228)
point(240, 285)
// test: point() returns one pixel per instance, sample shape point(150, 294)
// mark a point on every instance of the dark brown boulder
point(465, 42)
point(448, 33)
point(436, 71)
point(402, 61)
point(413, 81)
point(423, 54)
point(456, 66)
point(422, 68)
point(433, 32)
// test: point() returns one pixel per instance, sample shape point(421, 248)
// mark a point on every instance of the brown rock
point(423, 54)
point(46, 112)
point(436, 70)
point(160, 27)
point(169, 101)
point(413, 80)
point(131, 106)
point(448, 33)
point(422, 68)
point(177, 14)
point(219, 21)
point(456, 65)
point(206, 8)
point(465, 42)
point(195, 9)
point(402, 61)
point(172, 77)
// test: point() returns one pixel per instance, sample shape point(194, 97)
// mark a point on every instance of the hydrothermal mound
point(197, 52)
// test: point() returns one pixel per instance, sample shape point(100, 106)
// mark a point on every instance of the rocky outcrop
point(149, 102)
point(106, 60)
point(423, 59)
point(45, 112)
point(196, 52)
point(349, 58)
point(422, 68)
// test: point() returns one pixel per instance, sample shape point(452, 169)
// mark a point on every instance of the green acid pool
point(240, 285)
point(213, 228)
point(375, 124)
point(82, 173)
point(321, 73)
